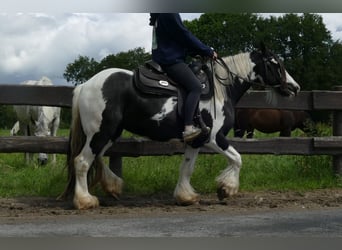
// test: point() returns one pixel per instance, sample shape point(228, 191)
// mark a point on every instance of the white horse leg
point(15, 129)
point(54, 129)
point(184, 193)
point(82, 198)
point(26, 131)
point(228, 181)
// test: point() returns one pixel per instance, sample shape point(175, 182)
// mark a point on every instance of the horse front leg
point(184, 192)
point(54, 128)
point(228, 181)
point(26, 128)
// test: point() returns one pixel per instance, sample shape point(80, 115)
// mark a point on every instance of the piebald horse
point(37, 120)
point(108, 103)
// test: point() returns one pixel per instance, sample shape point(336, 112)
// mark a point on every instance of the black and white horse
point(108, 103)
point(37, 120)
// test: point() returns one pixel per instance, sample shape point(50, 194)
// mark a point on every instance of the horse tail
point(77, 139)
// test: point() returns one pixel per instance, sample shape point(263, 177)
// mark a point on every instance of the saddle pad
point(149, 82)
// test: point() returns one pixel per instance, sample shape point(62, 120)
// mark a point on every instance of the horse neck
point(238, 82)
point(240, 65)
point(42, 123)
point(236, 90)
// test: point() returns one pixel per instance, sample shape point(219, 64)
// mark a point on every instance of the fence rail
point(61, 96)
point(135, 147)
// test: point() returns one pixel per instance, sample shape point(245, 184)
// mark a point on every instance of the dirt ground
point(129, 206)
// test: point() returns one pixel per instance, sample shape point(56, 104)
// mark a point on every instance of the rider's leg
point(182, 74)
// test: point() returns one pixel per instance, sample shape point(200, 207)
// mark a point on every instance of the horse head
point(42, 129)
point(270, 72)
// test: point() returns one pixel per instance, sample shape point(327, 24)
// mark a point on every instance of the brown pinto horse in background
point(269, 121)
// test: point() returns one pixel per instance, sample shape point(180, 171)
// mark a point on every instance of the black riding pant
point(183, 75)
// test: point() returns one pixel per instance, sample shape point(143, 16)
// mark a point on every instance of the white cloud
point(333, 22)
point(41, 44)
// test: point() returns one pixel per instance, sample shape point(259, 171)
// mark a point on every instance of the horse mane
point(239, 64)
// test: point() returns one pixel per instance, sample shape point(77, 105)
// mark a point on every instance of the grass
point(158, 175)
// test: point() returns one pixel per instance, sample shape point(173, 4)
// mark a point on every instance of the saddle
point(152, 80)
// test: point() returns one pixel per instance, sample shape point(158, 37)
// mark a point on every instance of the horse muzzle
point(42, 159)
point(289, 90)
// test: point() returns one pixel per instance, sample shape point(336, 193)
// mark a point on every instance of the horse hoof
point(86, 203)
point(115, 196)
point(221, 193)
point(188, 202)
point(114, 192)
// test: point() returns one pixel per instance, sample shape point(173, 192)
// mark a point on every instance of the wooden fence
point(306, 100)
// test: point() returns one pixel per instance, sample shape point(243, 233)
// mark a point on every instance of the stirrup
point(190, 135)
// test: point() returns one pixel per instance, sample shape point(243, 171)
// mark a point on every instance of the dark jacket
point(174, 41)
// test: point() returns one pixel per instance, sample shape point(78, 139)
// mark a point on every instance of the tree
point(306, 43)
point(334, 63)
point(80, 70)
point(302, 41)
point(84, 68)
point(227, 33)
point(7, 116)
point(126, 60)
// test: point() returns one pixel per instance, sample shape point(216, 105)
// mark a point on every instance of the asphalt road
point(317, 223)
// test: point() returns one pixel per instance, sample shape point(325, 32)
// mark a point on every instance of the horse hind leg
point(82, 198)
point(110, 182)
point(101, 141)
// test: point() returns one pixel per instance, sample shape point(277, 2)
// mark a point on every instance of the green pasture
point(158, 175)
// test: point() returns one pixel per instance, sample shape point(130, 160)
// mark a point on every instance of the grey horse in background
point(37, 121)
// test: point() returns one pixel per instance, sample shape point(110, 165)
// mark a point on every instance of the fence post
point(337, 131)
point(115, 164)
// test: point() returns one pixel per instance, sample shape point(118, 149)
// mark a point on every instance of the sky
point(41, 44)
